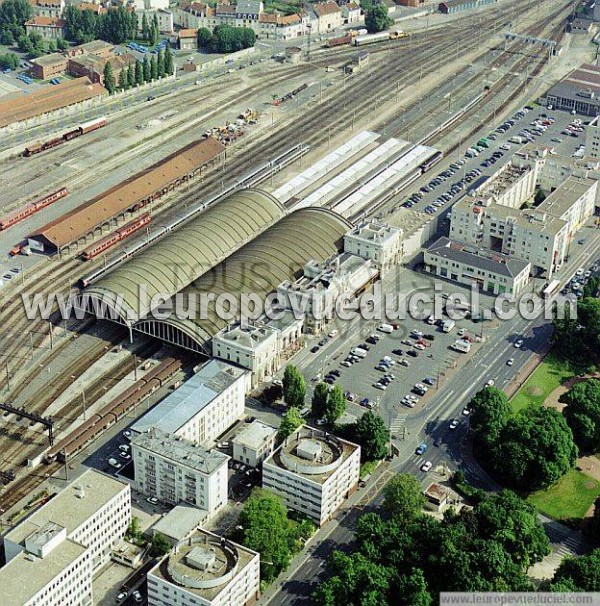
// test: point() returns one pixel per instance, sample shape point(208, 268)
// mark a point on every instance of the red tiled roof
point(326, 8)
point(45, 22)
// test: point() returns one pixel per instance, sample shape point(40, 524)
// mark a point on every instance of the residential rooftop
point(566, 194)
point(192, 397)
point(180, 522)
point(180, 450)
point(72, 506)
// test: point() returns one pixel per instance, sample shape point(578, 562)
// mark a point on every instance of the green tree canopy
point(373, 436)
point(289, 423)
point(169, 65)
point(204, 37)
point(9, 61)
point(376, 19)
point(583, 414)
point(109, 78)
point(294, 387)
point(489, 412)
point(582, 573)
point(319, 400)
point(336, 405)
point(403, 497)
point(159, 545)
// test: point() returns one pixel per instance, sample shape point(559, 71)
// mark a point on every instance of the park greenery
point(267, 528)
point(290, 421)
point(530, 450)
point(370, 433)
point(410, 554)
point(9, 61)
point(114, 26)
point(225, 39)
point(582, 413)
point(294, 387)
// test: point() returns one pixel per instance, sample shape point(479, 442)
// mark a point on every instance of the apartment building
point(174, 470)
point(376, 241)
point(204, 406)
point(164, 18)
point(493, 272)
point(49, 28)
point(513, 184)
point(47, 8)
point(329, 16)
point(48, 66)
point(314, 472)
point(260, 345)
point(254, 443)
point(205, 570)
point(52, 555)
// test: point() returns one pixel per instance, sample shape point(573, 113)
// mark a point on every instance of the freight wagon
point(371, 38)
point(116, 409)
point(338, 41)
point(113, 238)
point(80, 130)
point(31, 208)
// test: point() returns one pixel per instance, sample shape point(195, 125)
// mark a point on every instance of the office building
point(578, 91)
point(376, 241)
point(204, 406)
point(175, 470)
point(314, 472)
point(205, 570)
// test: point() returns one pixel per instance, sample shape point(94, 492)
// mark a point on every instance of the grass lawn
point(568, 499)
point(544, 380)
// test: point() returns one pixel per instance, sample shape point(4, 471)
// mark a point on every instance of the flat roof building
point(314, 472)
point(179, 523)
point(48, 66)
point(205, 570)
point(173, 469)
point(254, 443)
point(204, 407)
point(95, 510)
point(493, 272)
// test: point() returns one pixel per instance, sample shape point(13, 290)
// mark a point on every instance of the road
point(430, 422)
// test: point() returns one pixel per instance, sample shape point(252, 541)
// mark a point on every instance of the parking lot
point(467, 169)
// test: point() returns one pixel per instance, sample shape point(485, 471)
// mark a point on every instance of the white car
point(409, 403)
point(419, 346)
point(518, 343)
point(510, 361)
point(127, 433)
point(152, 500)
point(137, 596)
point(462, 332)
point(332, 334)
point(454, 424)
point(466, 412)
point(490, 383)
point(321, 422)
point(426, 466)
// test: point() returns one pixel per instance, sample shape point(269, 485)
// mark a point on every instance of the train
point(279, 100)
point(379, 37)
point(432, 161)
point(115, 237)
point(332, 42)
point(29, 209)
point(82, 129)
point(116, 409)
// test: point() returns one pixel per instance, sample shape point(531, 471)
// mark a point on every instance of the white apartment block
point(513, 184)
point(316, 292)
point(151, 5)
point(95, 510)
point(261, 346)
point(378, 242)
point(47, 8)
point(492, 272)
point(164, 18)
point(314, 472)
point(592, 139)
point(174, 470)
point(329, 16)
point(205, 570)
point(204, 406)
point(254, 443)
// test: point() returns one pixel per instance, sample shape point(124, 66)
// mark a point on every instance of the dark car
point(428, 381)
point(335, 373)
point(314, 349)
point(398, 352)
point(150, 98)
point(429, 337)
point(413, 353)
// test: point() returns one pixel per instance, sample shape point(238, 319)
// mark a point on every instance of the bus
point(550, 289)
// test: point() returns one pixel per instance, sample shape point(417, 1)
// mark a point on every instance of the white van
point(387, 328)
point(359, 352)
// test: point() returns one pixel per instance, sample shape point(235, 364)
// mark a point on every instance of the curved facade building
point(278, 254)
point(183, 256)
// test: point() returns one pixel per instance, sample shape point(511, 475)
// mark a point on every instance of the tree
point(130, 76)
point(373, 436)
point(376, 19)
point(489, 412)
point(403, 497)
point(294, 386)
point(52, 46)
point(336, 405)
point(147, 70)
point(161, 64)
point(134, 530)
point(123, 84)
point(540, 196)
point(109, 78)
point(583, 414)
point(154, 30)
point(139, 73)
point(145, 30)
point(62, 44)
point(593, 523)
point(153, 68)
point(9, 61)
point(13, 15)
point(319, 400)
point(169, 67)
point(159, 545)
point(582, 573)
point(25, 44)
point(204, 36)
point(266, 529)
point(289, 423)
